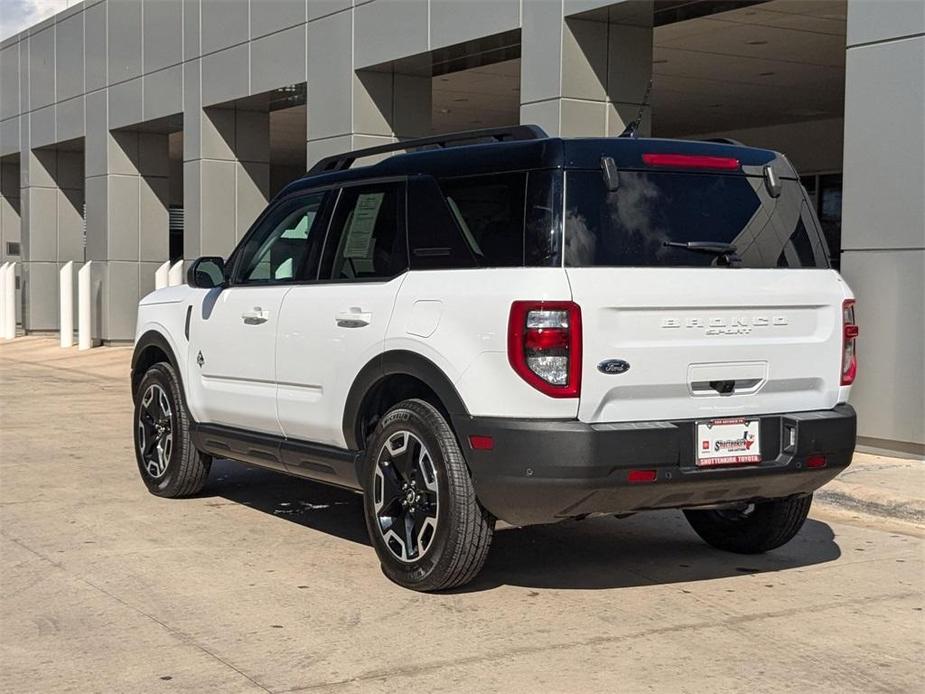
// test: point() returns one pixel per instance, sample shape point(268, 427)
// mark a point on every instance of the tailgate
point(707, 342)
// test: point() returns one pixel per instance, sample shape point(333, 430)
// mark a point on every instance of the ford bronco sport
point(503, 325)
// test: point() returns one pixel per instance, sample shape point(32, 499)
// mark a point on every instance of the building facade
point(138, 131)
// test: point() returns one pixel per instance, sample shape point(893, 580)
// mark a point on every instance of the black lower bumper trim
point(541, 471)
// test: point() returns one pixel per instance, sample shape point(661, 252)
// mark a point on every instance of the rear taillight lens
point(849, 358)
point(544, 346)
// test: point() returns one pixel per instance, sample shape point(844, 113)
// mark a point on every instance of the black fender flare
point(153, 338)
point(390, 363)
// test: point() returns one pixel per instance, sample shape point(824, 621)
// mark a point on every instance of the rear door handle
point(255, 317)
point(353, 319)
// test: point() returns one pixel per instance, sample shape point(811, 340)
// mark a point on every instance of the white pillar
point(84, 339)
point(9, 301)
point(162, 275)
point(66, 301)
point(3, 300)
point(175, 276)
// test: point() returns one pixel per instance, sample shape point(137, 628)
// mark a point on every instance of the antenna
point(632, 128)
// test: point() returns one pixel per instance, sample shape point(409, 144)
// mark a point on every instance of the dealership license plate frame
point(727, 429)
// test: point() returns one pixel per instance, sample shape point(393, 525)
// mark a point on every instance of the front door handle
point(255, 317)
point(353, 319)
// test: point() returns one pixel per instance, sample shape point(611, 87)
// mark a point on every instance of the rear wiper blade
point(712, 247)
point(725, 252)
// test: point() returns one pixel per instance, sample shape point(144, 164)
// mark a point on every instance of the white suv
point(503, 325)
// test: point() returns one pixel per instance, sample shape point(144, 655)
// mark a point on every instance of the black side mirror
point(207, 272)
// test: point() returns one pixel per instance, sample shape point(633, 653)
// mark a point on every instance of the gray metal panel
point(43, 223)
point(322, 8)
point(278, 60)
point(225, 75)
point(192, 118)
point(191, 47)
point(124, 36)
point(42, 68)
point(123, 206)
point(9, 81)
point(889, 392)
point(541, 50)
point(268, 16)
point(454, 21)
point(69, 57)
point(97, 139)
point(224, 23)
point(40, 294)
point(884, 85)
point(42, 127)
point(154, 219)
point(125, 103)
point(95, 47)
point(389, 30)
point(163, 93)
point(884, 19)
point(330, 75)
point(69, 119)
point(97, 196)
point(70, 225)
point(121, 289)
point(9, 136)
point(163, 33)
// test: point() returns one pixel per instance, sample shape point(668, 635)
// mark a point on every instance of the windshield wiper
point(725, 252)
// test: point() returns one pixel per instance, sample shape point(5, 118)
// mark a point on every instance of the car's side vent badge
point(200, 359)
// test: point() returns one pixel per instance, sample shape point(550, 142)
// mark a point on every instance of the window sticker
point(361, 226)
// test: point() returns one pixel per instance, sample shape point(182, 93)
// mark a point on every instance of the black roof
point(520, 154)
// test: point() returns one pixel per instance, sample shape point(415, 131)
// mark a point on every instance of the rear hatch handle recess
point(725, 252)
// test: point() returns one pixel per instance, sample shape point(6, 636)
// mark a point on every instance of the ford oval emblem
point(613, 366)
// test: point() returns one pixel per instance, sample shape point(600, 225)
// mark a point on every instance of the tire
point(169, 464)
point(759, 528)
point(415, 470)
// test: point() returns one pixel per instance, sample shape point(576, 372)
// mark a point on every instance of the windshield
point(651, 216)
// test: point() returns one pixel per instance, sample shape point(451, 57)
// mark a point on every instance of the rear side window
point(435, 240)
point(632, 225)
point(489, 211)
point(367, 237)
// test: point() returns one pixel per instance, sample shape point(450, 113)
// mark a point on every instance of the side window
point(490, 213)
point(367, 237)
point(435, 240)
point(286, 244)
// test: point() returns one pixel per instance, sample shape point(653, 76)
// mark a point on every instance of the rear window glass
point(633, 225)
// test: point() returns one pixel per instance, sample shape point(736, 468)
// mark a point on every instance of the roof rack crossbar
point(339, 162)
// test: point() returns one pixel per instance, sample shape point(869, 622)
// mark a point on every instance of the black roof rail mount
point(339, 162)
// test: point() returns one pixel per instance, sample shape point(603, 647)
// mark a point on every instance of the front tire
point(169, 464)
point(753, 529)
point(429, 530)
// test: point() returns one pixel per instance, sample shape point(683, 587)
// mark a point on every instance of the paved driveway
point(267, 583)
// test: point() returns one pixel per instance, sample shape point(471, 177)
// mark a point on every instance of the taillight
point(690, 161)
point(544, 346)
point(849, 357)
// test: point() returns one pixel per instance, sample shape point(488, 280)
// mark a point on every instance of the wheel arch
point(152, 347)
point(397, 373)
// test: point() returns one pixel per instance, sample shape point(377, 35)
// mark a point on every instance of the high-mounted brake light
point(849, 357)
point(690, 161)
point(544, 346)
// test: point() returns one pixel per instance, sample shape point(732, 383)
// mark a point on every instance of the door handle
point(255, 317)
point(353, 319)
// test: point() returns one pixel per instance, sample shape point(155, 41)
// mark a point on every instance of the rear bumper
point(543, 471)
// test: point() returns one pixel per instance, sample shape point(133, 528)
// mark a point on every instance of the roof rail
point(339, 162)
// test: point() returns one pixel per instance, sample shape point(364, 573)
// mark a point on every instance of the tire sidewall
point(162, 375)
point(414, 573)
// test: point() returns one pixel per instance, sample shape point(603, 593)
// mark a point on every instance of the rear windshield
point(631, 225)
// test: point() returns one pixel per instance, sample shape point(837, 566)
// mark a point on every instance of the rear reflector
point(815, 461)
point(637, 476)
point(690, 161)
point(481, 443)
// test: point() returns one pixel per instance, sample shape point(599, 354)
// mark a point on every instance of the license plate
point(728, 442)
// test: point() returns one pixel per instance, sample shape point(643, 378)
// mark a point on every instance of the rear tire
point(423, 518)
point(759, 528)
point(169, 464)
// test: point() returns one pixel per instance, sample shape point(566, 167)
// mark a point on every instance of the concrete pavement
point(267, 583)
